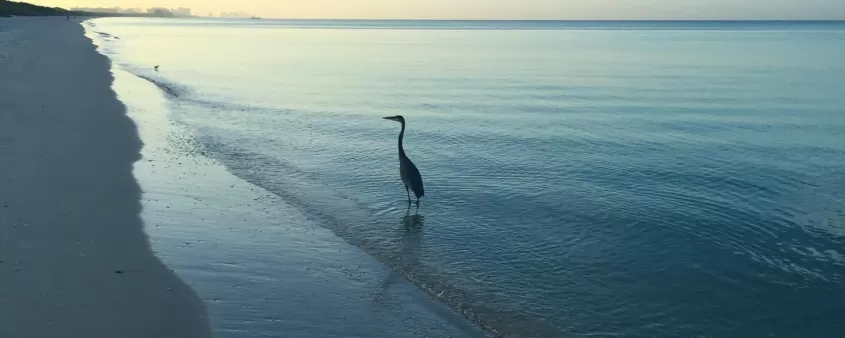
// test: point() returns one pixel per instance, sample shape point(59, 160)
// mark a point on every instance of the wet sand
point(74, 259)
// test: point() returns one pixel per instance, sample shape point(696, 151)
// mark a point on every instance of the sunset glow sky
point(496, 9)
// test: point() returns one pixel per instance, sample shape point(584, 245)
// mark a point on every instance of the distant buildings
point(181, 11)
point(159, 11)
point(155, 11)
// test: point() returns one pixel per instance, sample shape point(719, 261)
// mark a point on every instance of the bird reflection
point(413, 223)
point(407, 253)
point(411, 230)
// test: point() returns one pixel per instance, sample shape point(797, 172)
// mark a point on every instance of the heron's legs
point(409, 195)
point(418, 202)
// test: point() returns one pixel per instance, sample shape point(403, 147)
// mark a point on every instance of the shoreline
point(260, 265)
point(75, 259)
point(102, 234)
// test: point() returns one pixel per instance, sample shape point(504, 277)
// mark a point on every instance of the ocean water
point(653, 179)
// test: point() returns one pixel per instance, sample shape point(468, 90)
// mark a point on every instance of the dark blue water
point(656, 179)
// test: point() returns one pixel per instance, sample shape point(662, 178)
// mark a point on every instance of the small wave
point(170, 89)
point(351, 220)
point(183, 93)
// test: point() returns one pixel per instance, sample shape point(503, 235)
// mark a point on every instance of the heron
point(407, 170)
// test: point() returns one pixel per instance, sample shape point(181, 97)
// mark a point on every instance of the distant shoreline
point(12, 8)
point(508, 20)
point(534, 20)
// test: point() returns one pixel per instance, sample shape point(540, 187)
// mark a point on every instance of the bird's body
point(411, 177)
point(156, 67)
point(409, 173)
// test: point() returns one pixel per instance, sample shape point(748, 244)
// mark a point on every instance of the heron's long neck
point(401, 136)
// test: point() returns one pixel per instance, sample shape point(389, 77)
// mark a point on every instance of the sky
point(497, 9)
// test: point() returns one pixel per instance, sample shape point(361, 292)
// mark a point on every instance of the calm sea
point(650, 179)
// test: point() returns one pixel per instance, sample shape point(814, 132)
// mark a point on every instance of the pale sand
point(74, 261)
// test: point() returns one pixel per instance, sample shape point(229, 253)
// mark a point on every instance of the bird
point(156, 67)
point(407, 170)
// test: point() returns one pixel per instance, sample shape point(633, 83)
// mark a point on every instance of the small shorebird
point(156, 67)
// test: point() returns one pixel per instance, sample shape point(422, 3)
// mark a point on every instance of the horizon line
point(540, 20)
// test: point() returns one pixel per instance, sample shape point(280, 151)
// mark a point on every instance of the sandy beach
point(74, 260)
point(113, 224)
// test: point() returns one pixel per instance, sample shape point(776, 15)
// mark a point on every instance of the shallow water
point(261, 267)
point(638, 180)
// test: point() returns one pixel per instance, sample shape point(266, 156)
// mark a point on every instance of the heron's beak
point(392, 118)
